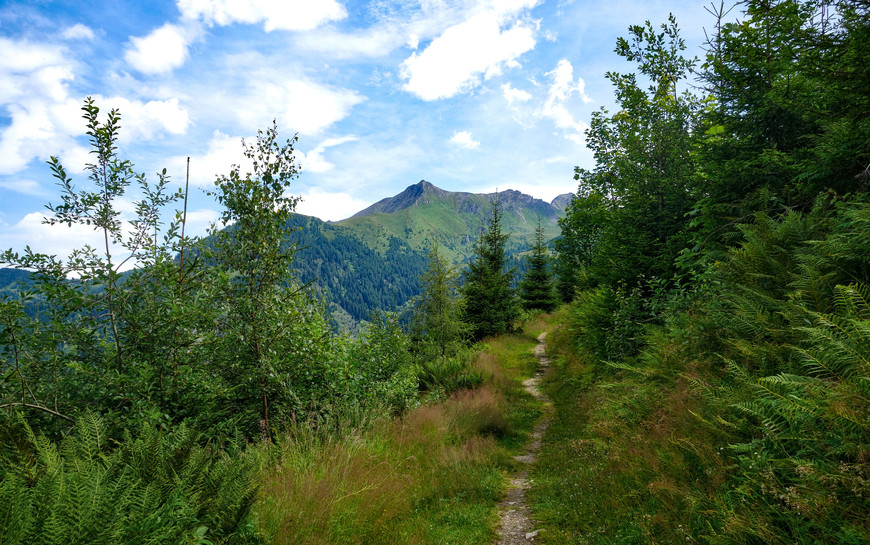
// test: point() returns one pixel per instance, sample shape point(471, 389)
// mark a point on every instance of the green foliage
point(536, 287)
point(734, 407)
point(644, 173)
point(585, 217)
point(156, 487)
point(70, 350)
point(225, 342)
point(375, 369)
point(797, 374)
point(787, 119)
point(437, 326)
point(432, 476)
point(270, 335)
point(608, 323)
point(489, 298)
point(441, 376)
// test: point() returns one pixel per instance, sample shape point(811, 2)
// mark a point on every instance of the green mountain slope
point(423, 211)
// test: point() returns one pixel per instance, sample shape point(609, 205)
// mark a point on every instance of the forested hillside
point(372, 265)
point(373, 260)
point(355, 278)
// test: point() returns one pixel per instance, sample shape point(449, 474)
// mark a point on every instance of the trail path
point(516, 524)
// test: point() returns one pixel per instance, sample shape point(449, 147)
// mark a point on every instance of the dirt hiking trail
point(516, 524)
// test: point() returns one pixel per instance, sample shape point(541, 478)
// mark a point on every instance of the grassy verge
point(433, 476)
point(624, 460)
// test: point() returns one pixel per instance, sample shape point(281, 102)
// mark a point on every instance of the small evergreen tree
point(536, 288)
point(585, 217)
point(490, 299)
point(437, 328)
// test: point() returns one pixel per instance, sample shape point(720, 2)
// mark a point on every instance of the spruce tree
point(536, 288)
point(437, 327)
point(490, 299)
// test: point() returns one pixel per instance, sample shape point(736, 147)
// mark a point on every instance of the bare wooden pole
point(184, 222)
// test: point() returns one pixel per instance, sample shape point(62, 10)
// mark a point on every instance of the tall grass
point(434, 475)
point(626, 459)
point(387, 482)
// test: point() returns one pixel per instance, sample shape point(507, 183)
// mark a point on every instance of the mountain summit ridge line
point(424, 192)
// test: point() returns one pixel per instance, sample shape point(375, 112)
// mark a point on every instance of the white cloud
point(373, 42)
point(23, 186)
point(562, 87)
point(163, 50)
point(59, 239)
point(199, 221)
point(408, 24)
point(274, 14)
point(329, 206)
point(299, 105)
point(34, 71)
point(313, 161)
point(512, 6)
point(144, 120)
point(365, 171)
point(28, 56)
point(43, 120)
point(454, 61)
point(511, 94)
point(223, 152)
point(556, 159)
point(78, 32)
point(464, 139)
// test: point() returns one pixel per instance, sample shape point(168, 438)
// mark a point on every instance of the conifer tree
point(536, 288)
point(437, 328)
point(490, 299)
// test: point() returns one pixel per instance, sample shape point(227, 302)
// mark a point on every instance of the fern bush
point(441, 376)
point(810, 456)
point(797, 380)
point(158, 487)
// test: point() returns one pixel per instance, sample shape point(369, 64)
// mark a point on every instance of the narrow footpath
point(516, 524)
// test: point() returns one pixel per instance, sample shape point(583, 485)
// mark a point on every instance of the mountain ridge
point(425, 192)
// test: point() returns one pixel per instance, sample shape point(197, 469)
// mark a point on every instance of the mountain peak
point(561, 202)
point(412, 195)
point(425, 193)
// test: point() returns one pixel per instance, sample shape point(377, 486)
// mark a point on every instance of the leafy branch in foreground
point(83, 302)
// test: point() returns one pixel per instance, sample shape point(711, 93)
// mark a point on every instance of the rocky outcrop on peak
point(561, 202)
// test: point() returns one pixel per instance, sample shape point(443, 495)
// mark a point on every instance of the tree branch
point(38, 407)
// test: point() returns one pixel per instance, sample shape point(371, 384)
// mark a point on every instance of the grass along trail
point(516, 523)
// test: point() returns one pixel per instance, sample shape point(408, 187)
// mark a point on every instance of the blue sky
point(472, 95)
